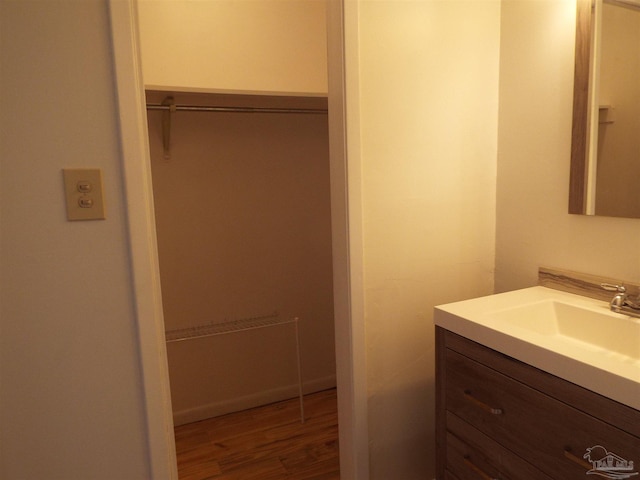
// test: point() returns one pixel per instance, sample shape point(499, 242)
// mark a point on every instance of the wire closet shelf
point(168, 107)
point(209, 108)
point(242, 325)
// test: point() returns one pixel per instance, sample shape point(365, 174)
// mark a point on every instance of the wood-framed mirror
point(605, 149)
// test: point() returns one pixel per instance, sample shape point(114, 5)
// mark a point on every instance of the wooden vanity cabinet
point(499, 418)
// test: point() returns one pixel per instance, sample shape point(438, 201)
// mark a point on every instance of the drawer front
point(548, 434)
point(611, 412)
point(469, 464)
point(471, 455)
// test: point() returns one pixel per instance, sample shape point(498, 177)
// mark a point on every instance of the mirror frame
point(580, 132)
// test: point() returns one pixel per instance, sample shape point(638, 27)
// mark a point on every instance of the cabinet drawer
point(550, 435)
point(471, 455)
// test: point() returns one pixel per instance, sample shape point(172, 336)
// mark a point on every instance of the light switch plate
point(84, 193)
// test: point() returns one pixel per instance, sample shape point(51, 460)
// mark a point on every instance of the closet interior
point(241, 193)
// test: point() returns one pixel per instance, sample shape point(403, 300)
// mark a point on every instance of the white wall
point(536, 88)
point(428, 91)
point(249, 45)
point(72, 405)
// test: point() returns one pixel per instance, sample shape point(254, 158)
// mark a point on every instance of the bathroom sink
point(599, 327)
point(571, 336)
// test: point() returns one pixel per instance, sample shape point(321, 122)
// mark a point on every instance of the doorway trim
point(147, 297)
point(347, 243)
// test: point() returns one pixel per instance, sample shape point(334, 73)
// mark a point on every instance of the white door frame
point(346, 227)
point(347, 251)
point(147, 296)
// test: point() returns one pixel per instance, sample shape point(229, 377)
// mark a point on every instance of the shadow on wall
point(403, 432)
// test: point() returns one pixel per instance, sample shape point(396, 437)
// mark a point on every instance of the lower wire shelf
point(241, 325)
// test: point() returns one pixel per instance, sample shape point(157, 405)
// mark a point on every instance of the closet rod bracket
point(166, 125)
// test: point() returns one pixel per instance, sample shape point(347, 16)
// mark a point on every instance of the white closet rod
point(168, 107)
point(634, 4)
point(205, 108)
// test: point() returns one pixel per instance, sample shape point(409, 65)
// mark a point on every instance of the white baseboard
point(215, 409)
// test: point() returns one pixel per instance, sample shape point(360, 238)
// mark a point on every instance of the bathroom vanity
point(521, 397)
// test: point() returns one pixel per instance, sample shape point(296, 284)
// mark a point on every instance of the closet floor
point(264, 443)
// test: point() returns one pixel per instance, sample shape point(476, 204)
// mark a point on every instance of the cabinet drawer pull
point(482, 405)
point(477, 469)
point(578, 460)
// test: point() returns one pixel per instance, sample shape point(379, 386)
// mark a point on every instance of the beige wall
point(71, 394)
point(248, 45)
point(244, 230)
point(619, 142)
point(428, 132)
point(536, 88)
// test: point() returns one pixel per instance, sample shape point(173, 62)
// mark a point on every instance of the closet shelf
point(231, 104)
point(242, 325)
point(212, 329)
point(212, 108)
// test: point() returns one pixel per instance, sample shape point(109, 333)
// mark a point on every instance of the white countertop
point(601, 370)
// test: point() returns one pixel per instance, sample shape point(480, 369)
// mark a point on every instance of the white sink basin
point(573, 337)
point(601, 328)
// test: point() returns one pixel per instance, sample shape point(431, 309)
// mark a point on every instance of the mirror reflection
point(605, 163)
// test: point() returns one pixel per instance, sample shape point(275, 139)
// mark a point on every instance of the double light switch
point(84, 193)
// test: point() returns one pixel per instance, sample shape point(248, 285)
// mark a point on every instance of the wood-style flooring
point(264, 443)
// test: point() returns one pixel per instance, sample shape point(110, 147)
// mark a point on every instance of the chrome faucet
point(623, 302)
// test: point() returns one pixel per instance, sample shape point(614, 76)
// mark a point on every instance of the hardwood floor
point(264, 443)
